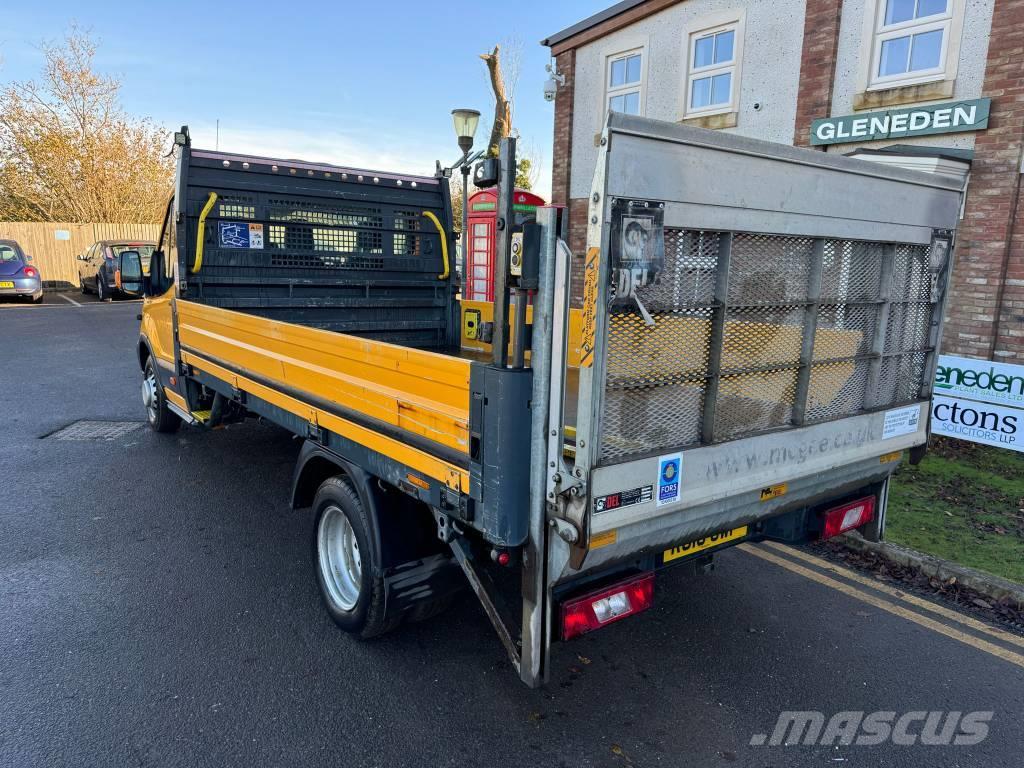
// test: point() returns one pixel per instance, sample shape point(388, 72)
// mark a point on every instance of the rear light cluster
point(848, 516)
point(29, 272)
point(598, 609)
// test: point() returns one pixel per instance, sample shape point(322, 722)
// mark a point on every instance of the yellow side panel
point(450, 475)
point(175, 398)
point(486, 310)
point(422, 392)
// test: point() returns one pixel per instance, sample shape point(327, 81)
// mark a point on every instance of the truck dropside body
point(754, 349)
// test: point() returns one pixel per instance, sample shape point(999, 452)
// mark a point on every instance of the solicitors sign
point(979, 401)
point(950, 117)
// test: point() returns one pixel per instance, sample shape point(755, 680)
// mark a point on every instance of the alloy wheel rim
point(341, 565)
point(149, 394)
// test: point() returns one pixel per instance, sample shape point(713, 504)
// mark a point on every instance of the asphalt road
point(158, 607)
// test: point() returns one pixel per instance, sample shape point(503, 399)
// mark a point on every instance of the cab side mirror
point(153, 280)
point(129, 273)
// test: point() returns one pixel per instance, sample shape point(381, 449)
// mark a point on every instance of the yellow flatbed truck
point(752, 353)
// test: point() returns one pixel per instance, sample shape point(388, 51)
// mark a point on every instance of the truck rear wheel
point(348, 568)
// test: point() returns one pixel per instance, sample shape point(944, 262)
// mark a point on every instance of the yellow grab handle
point(201, 232)
point(444, 244)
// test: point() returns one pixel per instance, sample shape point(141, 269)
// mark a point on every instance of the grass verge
point(965, 503)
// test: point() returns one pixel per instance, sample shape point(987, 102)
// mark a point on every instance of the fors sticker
point(670, 470)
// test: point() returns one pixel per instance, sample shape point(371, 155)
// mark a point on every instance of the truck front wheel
point(158, 415)
point(348, 570)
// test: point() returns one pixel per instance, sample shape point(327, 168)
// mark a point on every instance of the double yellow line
point(897, 607)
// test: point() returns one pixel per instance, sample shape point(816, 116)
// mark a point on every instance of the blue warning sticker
point(240, 234)
point(670, 469)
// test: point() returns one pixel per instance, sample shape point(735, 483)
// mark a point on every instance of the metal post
point(519, 337)
point(465, 218)
point(503, 249)
point(534, 587)
point(871, 398)
point(940, 293)
point(803, 380)
point(718, 319)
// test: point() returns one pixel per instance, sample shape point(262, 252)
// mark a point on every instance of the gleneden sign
point(979, 401)
point(951, 117)
point(998, 383)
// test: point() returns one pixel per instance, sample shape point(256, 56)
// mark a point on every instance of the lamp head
point(465, 122)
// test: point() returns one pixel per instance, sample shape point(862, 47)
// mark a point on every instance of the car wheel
point(348, 571)
point(82, 285)
point(158, 415)
point(102, 291)
point(37, 299)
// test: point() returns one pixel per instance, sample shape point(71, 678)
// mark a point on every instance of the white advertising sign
point(989, 382)
point(978, 422)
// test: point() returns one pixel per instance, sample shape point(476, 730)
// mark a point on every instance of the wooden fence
point(55, 246)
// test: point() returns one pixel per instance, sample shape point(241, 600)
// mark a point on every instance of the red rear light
point(29, 272)
point(598, 609)
point(848, 516)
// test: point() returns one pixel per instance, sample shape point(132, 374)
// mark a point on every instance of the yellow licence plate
point(6, 284)
point(708, 542)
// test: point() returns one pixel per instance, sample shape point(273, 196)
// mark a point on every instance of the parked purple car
point(17, 277)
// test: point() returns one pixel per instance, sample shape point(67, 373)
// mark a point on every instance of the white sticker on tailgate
point(901, 421)
point(669, 469)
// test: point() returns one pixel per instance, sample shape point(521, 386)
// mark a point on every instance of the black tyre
point(83, 286)
point(348, 568)
point(37, 299)
point(101, 290)
point(158, 415)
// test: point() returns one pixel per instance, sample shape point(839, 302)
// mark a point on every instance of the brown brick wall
point(986, 310)
point(817, 65)
point(578, 209)
point(561, 153)
point(561, 170)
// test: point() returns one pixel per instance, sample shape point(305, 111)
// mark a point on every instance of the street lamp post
point(465, 122)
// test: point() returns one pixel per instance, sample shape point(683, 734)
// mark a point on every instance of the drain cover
point(96, 430)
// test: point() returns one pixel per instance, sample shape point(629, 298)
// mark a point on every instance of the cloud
point(361, 147)
point(380, 152)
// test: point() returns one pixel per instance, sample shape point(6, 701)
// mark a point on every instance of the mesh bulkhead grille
point(363, 268)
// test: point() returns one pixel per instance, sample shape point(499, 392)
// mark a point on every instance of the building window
point(624, 82)
point(911, 41)
point(711, 78)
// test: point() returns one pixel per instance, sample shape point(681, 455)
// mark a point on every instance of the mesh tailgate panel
point(800, 318)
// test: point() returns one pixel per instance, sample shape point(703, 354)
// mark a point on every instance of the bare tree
point(69, 152)
point(502, 125)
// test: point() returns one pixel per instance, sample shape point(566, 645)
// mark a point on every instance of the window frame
point(703, 27)
point(877, 32)
point(639, 86)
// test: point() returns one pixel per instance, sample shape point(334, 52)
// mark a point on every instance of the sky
point(363, 84)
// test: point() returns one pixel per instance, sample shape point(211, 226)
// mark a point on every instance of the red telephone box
point(478, 280)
